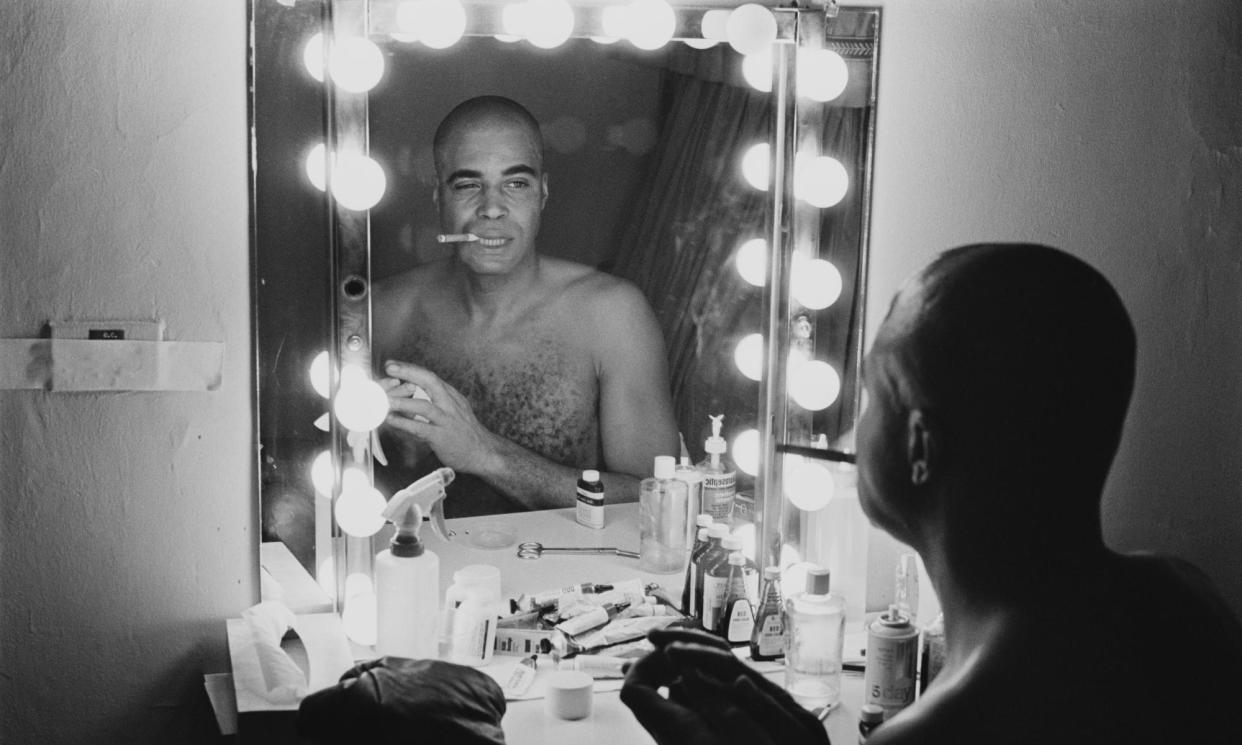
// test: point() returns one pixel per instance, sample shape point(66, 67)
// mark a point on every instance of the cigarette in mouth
point(457, 237)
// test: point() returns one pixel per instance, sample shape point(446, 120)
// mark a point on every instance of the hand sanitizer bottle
point(719, 478)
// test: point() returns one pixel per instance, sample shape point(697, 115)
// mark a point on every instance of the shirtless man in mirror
point(536, 367)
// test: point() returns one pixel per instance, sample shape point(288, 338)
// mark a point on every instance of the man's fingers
point(785, 721)
point(412, 407)
point(651, 671)
point(421, 430)
point(408, 372)
point(667, 722)
point(662, 637)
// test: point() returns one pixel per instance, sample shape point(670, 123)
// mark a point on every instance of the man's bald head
point(1020, 351)
point(482, 112)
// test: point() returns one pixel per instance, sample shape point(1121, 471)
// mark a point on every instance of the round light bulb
point(746, 531)
point(323, 422)
point(651, 24)
point(752, 261)
point(822, 74)
point(809, 484)
point(358, 618)
point(745, 451)
point(359, 509)
point(361, 403)
point(700, 43)
point(751, 28)
point(714, 25)
point(550, 23)
point(317, 166)
point(814, 385)
point(312, 57)
point(820, 181)
point(748, 356)
point(319, 373)
point(437, 23)
point(816, 284)
point(357, 64)
point(756, 165)
point(513, 19)
point(757, 70)
point(358, 182)
point(323, 475)
point(615, 22)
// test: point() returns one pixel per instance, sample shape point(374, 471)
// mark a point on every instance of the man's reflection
point(536, 367)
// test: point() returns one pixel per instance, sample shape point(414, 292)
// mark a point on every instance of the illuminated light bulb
point(359, 509)
point(816, 284)
point(605, 39)
point(748, 356)
point(714, 25)
point(651, 24)
point(323, 422)
point(326, 577)
point(615, 21)
point(319, 371)
point(700, 43)
point(356, 65)
point(809, 484)
point(822, 74)
point(757, 70)
point(514, 20)
point(507, 38)
point(317, 168)
point(359, 618)
point(746, 452)
point(437, 23)
point(756, 165)
point(312, 57)
point(550, 23)
point(820, 181)
point(323, 475)
point(358, 182)
point(361, 403)
point(751, 28)
point(746, 532)
point(814, 385)
point(752, 261)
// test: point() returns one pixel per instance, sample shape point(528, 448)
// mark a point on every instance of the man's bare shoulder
point(609, 301)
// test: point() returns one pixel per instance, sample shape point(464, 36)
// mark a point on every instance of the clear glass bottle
point(769, 638)
point(663, 534)
point(815, 621)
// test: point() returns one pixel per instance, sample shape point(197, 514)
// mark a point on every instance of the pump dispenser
point(719, 478)
point(407, 575)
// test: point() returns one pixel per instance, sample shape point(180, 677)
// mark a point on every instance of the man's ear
point(543, 185)
point(435, 196)
point(921, 448)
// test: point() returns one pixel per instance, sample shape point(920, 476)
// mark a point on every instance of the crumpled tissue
point(268, 622)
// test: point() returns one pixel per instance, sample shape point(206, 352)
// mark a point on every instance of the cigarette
point(457, 237)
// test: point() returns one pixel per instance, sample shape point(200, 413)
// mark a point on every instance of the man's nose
point(491, 206)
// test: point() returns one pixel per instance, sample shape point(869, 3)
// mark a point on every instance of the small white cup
point(570, 694)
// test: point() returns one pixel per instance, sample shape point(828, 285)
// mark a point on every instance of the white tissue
point(283, 680)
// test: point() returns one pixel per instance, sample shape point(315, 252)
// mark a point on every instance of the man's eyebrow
point(522, 168)
point(464, 173)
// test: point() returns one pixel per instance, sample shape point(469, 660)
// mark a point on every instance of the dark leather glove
point(397, 701)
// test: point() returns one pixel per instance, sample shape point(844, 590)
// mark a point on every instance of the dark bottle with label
point(735, 619)
point(712, 553)
point(768, 640)
point(689, 590)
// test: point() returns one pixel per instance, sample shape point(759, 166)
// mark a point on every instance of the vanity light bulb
point(361, 403)
point(359, 509)
point(822, 74)
point(757, 70)
point(745, 452)
point(614, 22)
point(356, 65)
point(751, 28)
point(816, 284)
point(748, 356)
point(752, 261)
point(714, 25)
point(746, 531)
point(437, 23)
point(317, 168)
point(312, 57)
point(319, 372)
point(820, 181)
point(700, 43)
point(756, 165)
point(550, 23)
point(358, 182)
point(651, 25)
point(358, 618)
point(809, 484)
point(323, 475)
point(814, 385)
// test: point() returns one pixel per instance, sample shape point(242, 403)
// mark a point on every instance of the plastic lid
point(718, 531)
point(736, 559)
point(771, 572)
point(871, 713)
point(818, 581)
point(665, 466)
point(590, 475)
point(704, 520)
point(731, 542)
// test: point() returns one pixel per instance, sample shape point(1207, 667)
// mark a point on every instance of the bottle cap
point(894, 617)
point(818, 581)
point(665, 466)
point(569, 694)
point(590, 475)
point(718, 531)
point(871, 713)
point(771, 572)
point(701, 535)
point(737, 559)
point(704, 520)
point(731, 542)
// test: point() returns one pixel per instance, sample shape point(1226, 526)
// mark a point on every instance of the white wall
point(1110, 129)
point(128, 518)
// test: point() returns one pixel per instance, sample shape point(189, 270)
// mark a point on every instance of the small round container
point(570, 694)
point(492, 535)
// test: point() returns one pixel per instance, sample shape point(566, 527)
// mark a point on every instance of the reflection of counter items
point(537, 368)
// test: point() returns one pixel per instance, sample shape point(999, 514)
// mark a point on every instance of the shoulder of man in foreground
point(604, 302)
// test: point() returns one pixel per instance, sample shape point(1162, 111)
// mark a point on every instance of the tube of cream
point(597, 665)
point(523, 677)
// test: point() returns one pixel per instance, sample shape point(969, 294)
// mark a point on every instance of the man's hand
point(450, 427)
point(395, 700)
point(713, 697)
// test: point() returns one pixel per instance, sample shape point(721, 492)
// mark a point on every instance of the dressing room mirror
point(644, 153)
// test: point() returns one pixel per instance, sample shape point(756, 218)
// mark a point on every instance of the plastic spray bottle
point(407, 575)
point(719, 478)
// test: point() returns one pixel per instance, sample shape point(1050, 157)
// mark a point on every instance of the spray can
point(892, 653)
point(590, 507)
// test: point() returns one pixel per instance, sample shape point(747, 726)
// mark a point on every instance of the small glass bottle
point(716, 578)
point(870, 716)
point(589, 509)
point(768, 640)
point(815, 621)
point(735, 621)
point(710, 554)
point(688, 590)
point(663, 535)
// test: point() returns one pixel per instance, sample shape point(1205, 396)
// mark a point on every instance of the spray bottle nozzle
point(715, 444)
point(423, 497)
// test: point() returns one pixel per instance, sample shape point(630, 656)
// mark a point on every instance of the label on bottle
point(713, 596)
point(589, 510)
point(889, 678)
point(772, 636)
point(718, 492)
point(741, 622)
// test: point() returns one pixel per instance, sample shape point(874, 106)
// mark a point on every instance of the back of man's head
point(1025, 355)
point(484, 110)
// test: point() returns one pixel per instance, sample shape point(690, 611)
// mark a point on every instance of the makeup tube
point(597, 665)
